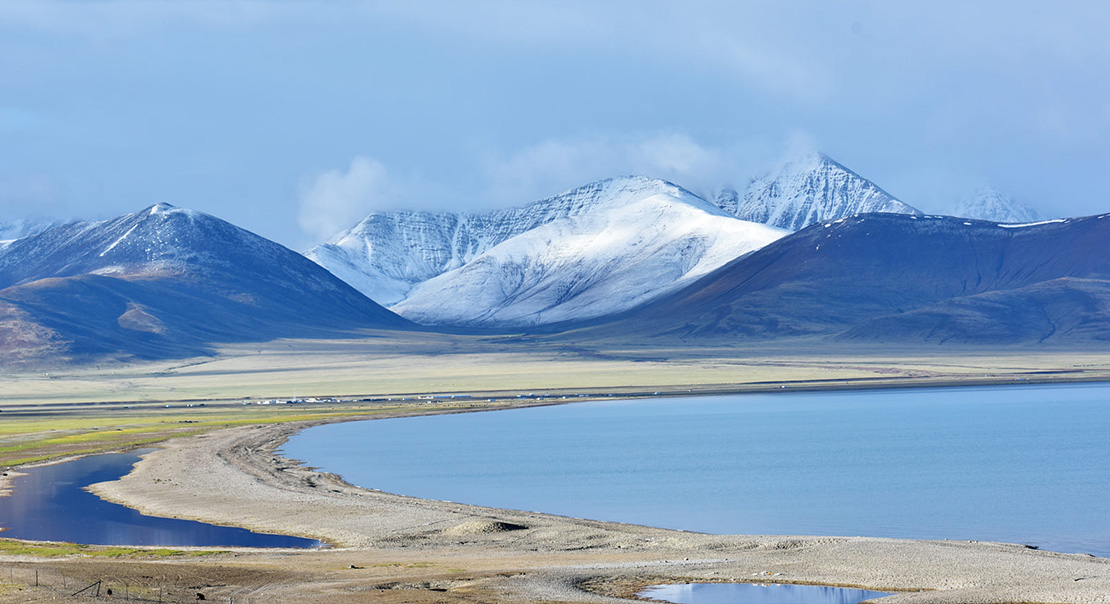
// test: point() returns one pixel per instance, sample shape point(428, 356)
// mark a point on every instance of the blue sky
point(294, 119)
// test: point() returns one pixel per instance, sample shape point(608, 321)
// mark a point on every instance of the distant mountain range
point(901, 278)
point(628, 257)
point(591, 251)
point(598, 249)
point(166, 282)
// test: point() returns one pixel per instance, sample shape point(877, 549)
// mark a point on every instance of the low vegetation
point(13, 547)
point(86, 410)
point(30, 440)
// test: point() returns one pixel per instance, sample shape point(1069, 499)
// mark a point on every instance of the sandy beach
point(386, 547)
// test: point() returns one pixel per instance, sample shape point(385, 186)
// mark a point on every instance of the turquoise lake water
point(1023, 464)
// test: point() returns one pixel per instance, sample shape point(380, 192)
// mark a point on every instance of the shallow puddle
point(756, 593)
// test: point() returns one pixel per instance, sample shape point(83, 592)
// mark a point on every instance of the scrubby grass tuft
point(14, 547)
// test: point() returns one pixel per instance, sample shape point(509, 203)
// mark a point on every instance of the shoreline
point(620, 557)
point(1041, 378)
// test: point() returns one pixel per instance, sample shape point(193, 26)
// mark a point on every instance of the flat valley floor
point(221, 467)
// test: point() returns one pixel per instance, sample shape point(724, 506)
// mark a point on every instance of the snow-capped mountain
point(991, 204)
point(167, 282)
point(388, 253)
point(806, 191)
point(161, 239)
point(632, 245)
point(593, 250)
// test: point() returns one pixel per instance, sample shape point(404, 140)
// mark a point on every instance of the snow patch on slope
point(1030, 224)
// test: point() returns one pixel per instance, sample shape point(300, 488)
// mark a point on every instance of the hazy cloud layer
point(556, 165)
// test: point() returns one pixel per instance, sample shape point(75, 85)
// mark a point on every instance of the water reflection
point(50, 504)
point(754, 593)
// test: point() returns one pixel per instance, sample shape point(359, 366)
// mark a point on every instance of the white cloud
point(552, 166)
point(335, 200)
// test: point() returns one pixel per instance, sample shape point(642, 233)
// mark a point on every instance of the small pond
point(756, 593)
point(50, 503)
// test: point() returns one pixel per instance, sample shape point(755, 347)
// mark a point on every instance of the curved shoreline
point(234, 477)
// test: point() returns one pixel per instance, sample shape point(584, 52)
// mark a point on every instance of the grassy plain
point(48, 412)
point(404, 364)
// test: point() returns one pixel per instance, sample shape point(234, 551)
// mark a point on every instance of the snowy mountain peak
point(810, 162)
point(807, 190)
point(632, 246)
point(387, 253)
point(609, 193)
point(158, 238)
point(619, 190)
point(588, 251)
point(988, 203)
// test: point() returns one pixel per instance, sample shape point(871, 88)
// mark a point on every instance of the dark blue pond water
point(1024, 464)
point(751, 593)
point(50, 504)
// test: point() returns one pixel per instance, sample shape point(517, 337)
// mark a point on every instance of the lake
point(757, 593)
point(50, 503)
point(1024, 464)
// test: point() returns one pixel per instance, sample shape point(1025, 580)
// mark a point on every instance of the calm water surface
point(753, 593)
point(1026, 464)
point(50, 504)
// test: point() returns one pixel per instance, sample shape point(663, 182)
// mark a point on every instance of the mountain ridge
point(167, 282)
point(833, 277)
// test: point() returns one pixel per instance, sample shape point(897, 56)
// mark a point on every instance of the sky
point(294, 119)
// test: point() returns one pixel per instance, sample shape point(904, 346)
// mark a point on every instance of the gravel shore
point(441, 551)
